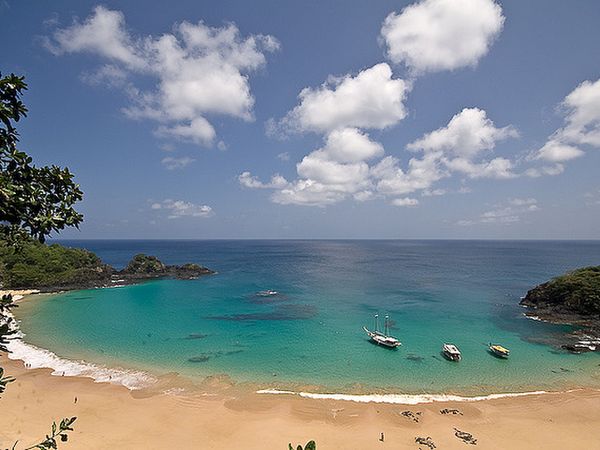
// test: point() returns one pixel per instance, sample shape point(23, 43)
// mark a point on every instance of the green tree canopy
point(34, 201)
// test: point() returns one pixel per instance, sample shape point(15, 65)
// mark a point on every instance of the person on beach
point(382, 437)
point(75, 400)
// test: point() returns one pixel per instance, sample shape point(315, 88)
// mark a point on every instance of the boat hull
point(384, 341)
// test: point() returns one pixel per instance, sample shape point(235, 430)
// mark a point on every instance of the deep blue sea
point(464, 292)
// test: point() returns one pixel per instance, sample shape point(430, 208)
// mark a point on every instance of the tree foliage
point(577, 291)
point(310, 445)
point(36, 265)
point(34, 201)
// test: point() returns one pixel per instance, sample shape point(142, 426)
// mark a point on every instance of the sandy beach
point(232, 417)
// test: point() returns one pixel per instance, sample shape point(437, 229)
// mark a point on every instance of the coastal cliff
point(50, 268)
point(574, 299)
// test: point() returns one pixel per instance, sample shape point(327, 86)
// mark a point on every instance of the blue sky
point(337, 119)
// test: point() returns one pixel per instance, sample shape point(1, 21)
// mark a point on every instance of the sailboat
point(382, 338)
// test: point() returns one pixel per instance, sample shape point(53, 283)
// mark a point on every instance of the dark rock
point(571, 299)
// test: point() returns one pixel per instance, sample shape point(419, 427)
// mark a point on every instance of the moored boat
point(451, 352)
point(499, 351)
point(384, 338)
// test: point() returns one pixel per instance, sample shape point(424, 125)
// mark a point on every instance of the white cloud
point(421, 174)
point(247, 180)
point(582, 127)
point(406, 201)
point(434, 35)
point(582, 108)
point(285, 156)
point(371, 99)
point(433, 192)
point(198, 131)
point(103, 33)
point(196, 70)
point(508, 212)
point(342, 167)
point(537, 172)
point(466, 135)
point(172, 163)
point(554, 151)
point(177, 209)
point(499, 168)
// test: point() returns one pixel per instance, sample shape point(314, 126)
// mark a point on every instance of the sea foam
point(37, 358)
point(401, 399)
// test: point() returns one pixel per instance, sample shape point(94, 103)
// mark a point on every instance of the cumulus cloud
point(555, 151)
point(460, 143)
point(177, 209)
point(196, 70)
point(371, 99)
point(351, 165)
point(581, 109)
point(466, 135)
point(435, 35)
point(582, 118)
point(172, 163)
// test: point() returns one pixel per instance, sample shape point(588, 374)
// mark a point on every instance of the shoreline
point(133, 378)
point(221, 414)
point(234, 418)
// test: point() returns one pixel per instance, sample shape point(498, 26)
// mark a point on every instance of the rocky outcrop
point(144, 267)
point(51, 268)
point(573, 299)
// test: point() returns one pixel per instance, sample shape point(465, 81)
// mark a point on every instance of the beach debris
point(415, 417)
point(450, 411)
point(426, 441)
point(467, 438)
point(335, 412)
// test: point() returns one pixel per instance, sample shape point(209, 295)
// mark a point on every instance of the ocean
point(309, 335)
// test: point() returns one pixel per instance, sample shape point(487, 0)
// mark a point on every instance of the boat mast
point(386, 327)
point(376, 322)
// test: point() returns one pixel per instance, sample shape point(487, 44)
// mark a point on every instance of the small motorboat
point(384, 338)
point(267, 293)
point(499, 351)
point(451, 352)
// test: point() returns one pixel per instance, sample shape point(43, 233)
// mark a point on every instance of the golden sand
point(234, 417)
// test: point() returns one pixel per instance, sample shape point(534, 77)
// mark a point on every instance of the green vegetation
point(39, 265)
point(311, 445)
point(34, 201)
point(577, 291)
point(144, 264)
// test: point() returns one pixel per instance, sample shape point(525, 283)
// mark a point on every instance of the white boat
point(451, 352)
point(382, 338)
point(266, 293)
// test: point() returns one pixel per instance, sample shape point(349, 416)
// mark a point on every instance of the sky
point(432, 119)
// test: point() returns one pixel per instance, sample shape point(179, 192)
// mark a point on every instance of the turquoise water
point(465, 292)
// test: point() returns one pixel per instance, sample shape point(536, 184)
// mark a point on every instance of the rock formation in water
point(572, 298)
point(57, 268)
